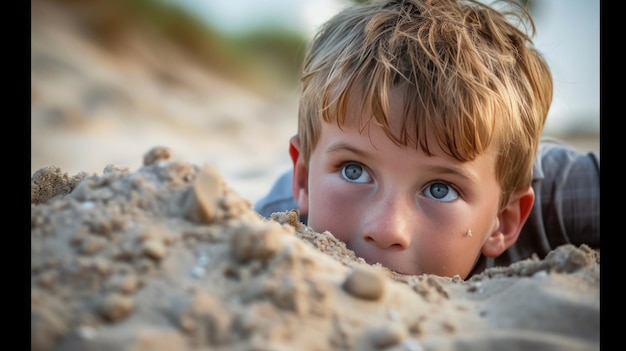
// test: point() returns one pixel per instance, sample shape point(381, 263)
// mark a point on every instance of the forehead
point(410, 118)
point(388, 110)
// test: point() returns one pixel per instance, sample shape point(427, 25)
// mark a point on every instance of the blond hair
point(470, 76)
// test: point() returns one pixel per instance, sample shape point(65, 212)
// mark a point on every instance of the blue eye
point(441, 192)
point(355, 173)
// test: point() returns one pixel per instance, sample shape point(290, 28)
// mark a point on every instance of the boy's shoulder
point(554, 155)
point(279, 198)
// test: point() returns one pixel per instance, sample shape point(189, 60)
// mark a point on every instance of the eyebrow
point(440, 170)
point(341, 146)
point(455, 172)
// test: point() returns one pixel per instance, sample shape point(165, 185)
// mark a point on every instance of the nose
point(387, 224)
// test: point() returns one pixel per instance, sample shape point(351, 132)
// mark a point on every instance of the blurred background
point(216, 81)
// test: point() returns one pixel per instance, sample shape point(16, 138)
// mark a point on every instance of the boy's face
point(397, 206)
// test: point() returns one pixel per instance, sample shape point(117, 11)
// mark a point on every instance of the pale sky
point(568, 34)
point(237, 15)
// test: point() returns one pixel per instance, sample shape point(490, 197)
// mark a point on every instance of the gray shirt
point(566, 209)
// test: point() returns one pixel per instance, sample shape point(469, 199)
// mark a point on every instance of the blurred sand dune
point(92, 107)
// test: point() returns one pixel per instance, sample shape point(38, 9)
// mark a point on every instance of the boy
point(419, 123)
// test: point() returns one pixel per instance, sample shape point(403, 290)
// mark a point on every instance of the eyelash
point(342, 164)
point(454, 187)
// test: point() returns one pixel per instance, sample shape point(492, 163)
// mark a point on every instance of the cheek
point(448, 256)
point(332, 208)
point(446, 248)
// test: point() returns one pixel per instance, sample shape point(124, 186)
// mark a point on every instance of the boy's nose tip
point(389, 241)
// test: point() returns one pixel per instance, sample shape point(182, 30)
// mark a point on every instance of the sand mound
point(168, 257)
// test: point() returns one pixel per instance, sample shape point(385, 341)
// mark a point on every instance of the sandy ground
point(92, 107)
point(144, 170)
point(168, 257)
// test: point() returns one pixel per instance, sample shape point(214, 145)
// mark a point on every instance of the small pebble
point(388, 336)
point(159, 153)
point(205, 193)
point(412, 345)
point(257, 243)
point(116, 307)
point(154, 249)
point(124, 283)
point(88, 205)
point(87, 332)
point(198, 271)
point(364, 283)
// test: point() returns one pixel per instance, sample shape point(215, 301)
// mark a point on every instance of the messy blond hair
point(469, 73)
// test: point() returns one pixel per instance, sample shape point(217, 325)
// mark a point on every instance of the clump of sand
point(168, 257)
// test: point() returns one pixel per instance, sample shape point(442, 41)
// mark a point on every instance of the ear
point(511, 219)
point(300, 181)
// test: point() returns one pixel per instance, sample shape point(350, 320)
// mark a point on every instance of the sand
point(169, 257)
point(144, 168)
